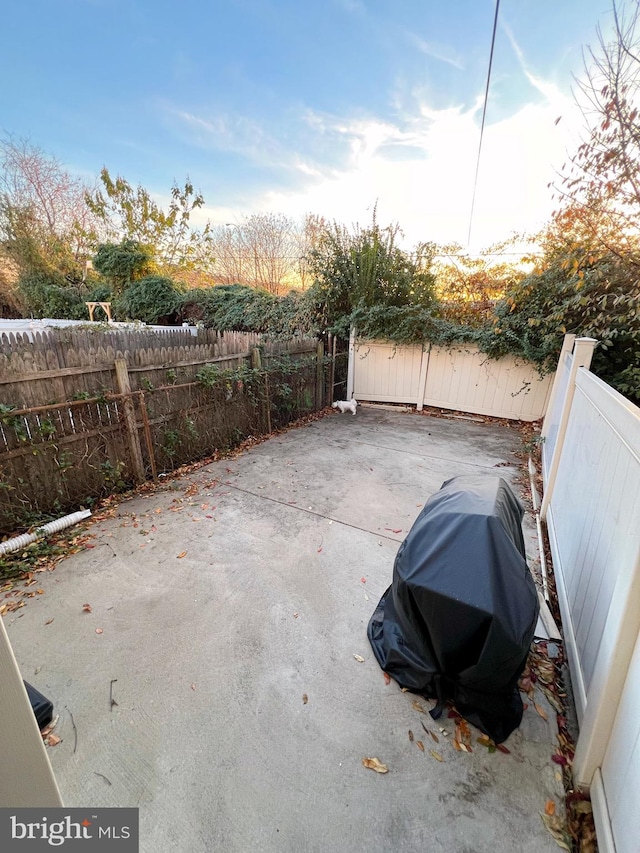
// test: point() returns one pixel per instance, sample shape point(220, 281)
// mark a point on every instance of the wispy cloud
point(442, 52)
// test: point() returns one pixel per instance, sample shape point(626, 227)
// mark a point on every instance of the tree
point(122, 263)
point(469, 287)
point(44, 221)
point(364, 271)
point(167, 236)
point(601, 183)
point(261, 251)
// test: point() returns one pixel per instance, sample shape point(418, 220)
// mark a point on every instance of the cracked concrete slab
point(242, 716)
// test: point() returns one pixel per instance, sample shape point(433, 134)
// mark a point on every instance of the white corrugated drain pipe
point(51, 527)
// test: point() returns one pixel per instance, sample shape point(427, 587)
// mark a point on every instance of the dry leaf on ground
point(387, 678)
point(550, 808)
point(436, 755)
point(420, 745)
point(305, 698)
point(557, 829)
point(86, 608)
point(410, 735)
point(99, 630)
point(418, 707)
point(375, 764)
point(540, 711)
point(359, 658)
point(181, 555)
point(54, 740)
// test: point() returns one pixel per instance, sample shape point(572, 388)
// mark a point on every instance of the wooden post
point(147, 436)
point(124, 387)
point(268, 399)
point(320, 375)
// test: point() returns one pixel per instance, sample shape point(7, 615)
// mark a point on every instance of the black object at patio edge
point(459, 618)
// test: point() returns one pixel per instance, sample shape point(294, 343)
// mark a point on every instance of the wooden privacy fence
point(57, 365)
point(59, 455)
point(460, 378)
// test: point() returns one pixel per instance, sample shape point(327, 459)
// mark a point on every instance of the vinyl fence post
point(320, 375)
point(27, 779)
point(567, 346)
point(582, 354)
point(352, 363)
point(124, 387)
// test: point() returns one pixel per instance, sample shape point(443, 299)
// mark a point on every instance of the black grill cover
point(458, 620)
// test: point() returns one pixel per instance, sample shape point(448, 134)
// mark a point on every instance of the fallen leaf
point(410, 735)
point(436, 755)
point(420, 745)
point(181, 555)
point(375, 764)
point(434, 736)
point(540, 711)
point(418, 707)
point(99, 631)
point(54, 740)
point(319, 549)
point(387, 678)
point(86, 608)
point(558, 832)
point(359, 658)
point(305, 698)
point(193, 687)
point(503, 749)
point(49, 621)
point(550, 808)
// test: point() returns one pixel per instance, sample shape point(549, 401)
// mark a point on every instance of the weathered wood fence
point(83, 415)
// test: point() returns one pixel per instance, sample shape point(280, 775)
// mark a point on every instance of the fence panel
point(460, 379)
point(592, 495)
point(386, 372)
point(468, 380)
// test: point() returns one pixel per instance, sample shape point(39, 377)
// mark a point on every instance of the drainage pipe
point(51, 527)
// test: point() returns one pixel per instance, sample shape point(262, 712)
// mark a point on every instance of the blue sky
point(325, 106)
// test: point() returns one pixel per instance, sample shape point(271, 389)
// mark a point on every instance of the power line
point(484, 113)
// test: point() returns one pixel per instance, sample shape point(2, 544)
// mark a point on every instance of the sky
point(323, 106)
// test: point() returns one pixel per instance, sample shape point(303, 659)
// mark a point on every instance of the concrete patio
point(232, 602)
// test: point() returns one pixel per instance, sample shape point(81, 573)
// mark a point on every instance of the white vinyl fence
point(462, 379)
point(591, 468)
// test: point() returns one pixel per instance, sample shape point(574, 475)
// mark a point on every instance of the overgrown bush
point(150, 299)
point(235, 307)
point(47, 294)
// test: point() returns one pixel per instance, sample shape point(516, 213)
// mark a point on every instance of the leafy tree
point(45, 224)
point(166, 235)
point(122, 263)
point(573, 291)
point(600, 186)
point(468, 288)
point(366, 269)
point(48, 294)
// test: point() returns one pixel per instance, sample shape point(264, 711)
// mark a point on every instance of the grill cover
point(458, 620)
